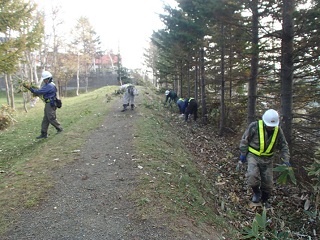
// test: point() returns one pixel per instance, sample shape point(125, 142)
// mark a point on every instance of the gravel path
point(90, 198)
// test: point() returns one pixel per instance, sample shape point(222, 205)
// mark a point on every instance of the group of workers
point(187, 106)
point(257, 145)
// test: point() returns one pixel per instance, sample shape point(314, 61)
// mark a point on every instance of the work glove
point(243, 158)
point(26, 86)
point(287, 164)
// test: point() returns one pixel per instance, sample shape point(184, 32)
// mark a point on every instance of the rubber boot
point(256, 195)
point(42, 135)
point(124, 107)
point(264, 199)
point(132, 106)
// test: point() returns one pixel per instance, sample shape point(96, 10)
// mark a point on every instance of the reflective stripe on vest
point(261, 151)
point(190, 99)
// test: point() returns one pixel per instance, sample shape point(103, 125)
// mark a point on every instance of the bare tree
point(87, 41)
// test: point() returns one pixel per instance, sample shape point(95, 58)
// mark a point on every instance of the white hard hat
point(167, 92)
point(45, 75)
point(271, 118)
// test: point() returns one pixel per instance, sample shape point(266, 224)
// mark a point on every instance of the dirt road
point(90, 197)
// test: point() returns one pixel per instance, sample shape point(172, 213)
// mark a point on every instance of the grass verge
point(172, 184)
point(25, 163)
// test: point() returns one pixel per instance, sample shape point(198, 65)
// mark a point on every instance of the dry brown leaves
point(217, 158)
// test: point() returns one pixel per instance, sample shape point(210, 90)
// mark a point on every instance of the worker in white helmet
point(49, 92)
point(257, 147)
point(171, 95)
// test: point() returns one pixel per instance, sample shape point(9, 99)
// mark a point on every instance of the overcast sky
point(127, 24)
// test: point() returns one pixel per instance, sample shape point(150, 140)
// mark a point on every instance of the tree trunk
point(203, 90)
point(196, 81)
point(7, 89)
point(119, 69)
point(188, 77)
point(222, 102)
point(230, 74)
point(154, 77)
point(11, 92)
point(25, 97)
point(181, 75)
point(35, 74)
point(78, 76)
point(87, 79)
point(287, 69)
point(252, 91)
point(59, 88)
point(199, 76)
point(65, 89)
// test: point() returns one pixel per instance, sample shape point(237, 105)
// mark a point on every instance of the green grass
point(25, 162)
point(173, 184)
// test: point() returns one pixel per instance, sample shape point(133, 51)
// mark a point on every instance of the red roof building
point(107, 60)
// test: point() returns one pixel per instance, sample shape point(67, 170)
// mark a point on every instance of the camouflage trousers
point(260, 172)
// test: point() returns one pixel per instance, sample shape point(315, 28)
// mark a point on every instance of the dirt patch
point(90, 199)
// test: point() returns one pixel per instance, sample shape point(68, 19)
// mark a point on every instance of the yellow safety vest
point(190, 99)
point(262, 151)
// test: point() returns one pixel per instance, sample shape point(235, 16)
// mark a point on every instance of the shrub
point(6, 116)
point(314, 172)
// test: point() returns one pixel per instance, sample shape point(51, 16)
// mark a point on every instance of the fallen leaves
point(217, 158)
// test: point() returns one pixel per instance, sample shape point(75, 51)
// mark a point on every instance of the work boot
point(42, 135)
point(132, 106)
point(264, 200)
point(59, 130)
point(124, 107)
point(256, 195)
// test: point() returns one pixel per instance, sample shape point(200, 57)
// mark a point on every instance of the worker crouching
point(129, 94)
point(191, 107)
